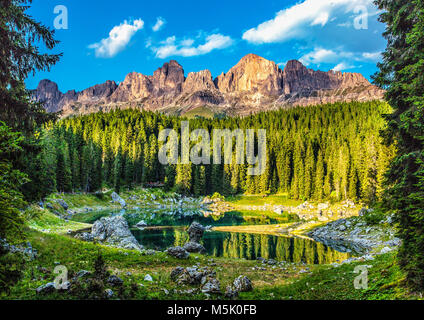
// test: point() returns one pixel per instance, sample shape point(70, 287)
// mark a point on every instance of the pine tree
point(402, 74)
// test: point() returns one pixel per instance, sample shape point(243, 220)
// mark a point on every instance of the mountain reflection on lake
point(244, 245)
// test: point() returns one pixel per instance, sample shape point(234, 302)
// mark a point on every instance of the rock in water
point(194, 247)
point(115, 231)
point(195, 232)
point(242, 284)
point(118, 199)
point(178, 252)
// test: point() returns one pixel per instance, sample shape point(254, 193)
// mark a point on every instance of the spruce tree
point(402, 75)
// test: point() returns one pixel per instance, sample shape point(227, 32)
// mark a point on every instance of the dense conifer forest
point(322, 152)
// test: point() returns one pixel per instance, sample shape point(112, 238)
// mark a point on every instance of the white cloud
point(186, 48)
point(343, 66)
point(320, 55)
point(373, 56)
point(294, 21)
point(118, 39)
point(160, 22)
point(344, 60)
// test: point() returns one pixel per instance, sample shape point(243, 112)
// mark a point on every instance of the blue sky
point(106, 40)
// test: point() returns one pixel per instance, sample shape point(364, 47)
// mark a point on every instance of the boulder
point(46, 288)
point(194, 247)
point(141, 224)
point(176, 273)
point(195, 232)
point(84, 236)
point(212, 286)
point(242, 284)
point(193, 275)
point(231, 293)
point(115, 231)
point(115, 281)
point(117, 199)
point(178, 252)
point(109, 293)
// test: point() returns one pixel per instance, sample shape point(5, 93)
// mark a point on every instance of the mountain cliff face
point(253, 85)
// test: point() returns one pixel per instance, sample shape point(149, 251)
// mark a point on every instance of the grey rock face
point(178, 252)
point(115, 231)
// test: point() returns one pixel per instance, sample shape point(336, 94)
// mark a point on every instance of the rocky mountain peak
point(254, 84)
point(254, 74)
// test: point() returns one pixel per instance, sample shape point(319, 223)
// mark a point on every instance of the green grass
point(258, 200)
point(44, 220)
point(204, 112)
point(326, 282)
point(385, 282)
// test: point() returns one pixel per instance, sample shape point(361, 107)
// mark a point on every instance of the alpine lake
point(166, 228)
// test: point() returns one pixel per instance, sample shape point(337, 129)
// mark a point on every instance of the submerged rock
point(115, 231)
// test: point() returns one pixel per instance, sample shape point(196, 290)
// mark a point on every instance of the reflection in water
point(244, 245)
point(184, 217)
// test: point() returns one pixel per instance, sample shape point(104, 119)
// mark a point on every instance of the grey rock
point(176, 273)
point(82, 274)
point(46, 288)
point(115, 281)
point(178, 252)
point(109, 293)
point(63, 204)
point(194, 247)
point(118, 199)
point(242, 284)
point(141, 224)
point(231, 293)
point(115, 231)
point(84, 236)
point(195, 232)
point(385, 250)
point(212, 286)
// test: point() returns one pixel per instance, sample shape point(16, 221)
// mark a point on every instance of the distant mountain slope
point(254, 84)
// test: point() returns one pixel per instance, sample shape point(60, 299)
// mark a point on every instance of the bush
point(374, 217)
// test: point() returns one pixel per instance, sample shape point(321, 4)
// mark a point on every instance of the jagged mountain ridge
point(252, 85)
